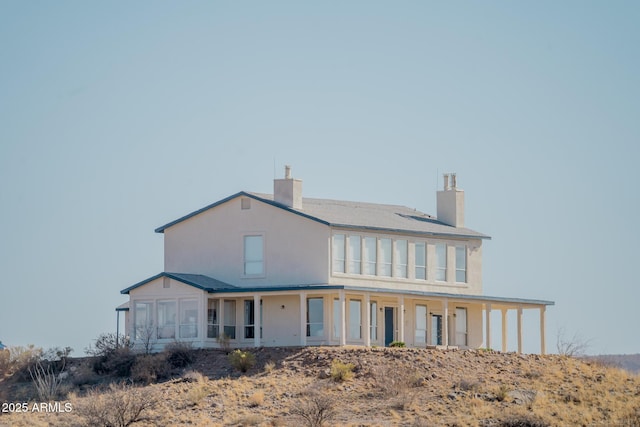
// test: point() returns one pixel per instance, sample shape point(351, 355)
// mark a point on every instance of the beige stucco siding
point(211, 243)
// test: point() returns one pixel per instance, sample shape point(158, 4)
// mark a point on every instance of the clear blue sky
point(118, 117)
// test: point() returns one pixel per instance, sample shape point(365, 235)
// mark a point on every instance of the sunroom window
point(166, 319)
point(143, 321)
point(188, 319)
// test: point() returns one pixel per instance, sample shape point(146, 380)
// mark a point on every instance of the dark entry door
point(436, 329)
point(389, 322)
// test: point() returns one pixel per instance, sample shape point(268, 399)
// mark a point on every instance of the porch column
point(367, 320)
point(543, 347)
point(343, 319)
point(221, 318)
point(117, 327)
point(256, 320)
point(445, 322)
point(519, 329)
point(504, 330)
point(487, 325)
point(401, 318)
point(303, 318)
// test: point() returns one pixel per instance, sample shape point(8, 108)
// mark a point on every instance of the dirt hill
point(367, 387)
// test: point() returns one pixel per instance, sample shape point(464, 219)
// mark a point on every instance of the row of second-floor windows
point(386, 257)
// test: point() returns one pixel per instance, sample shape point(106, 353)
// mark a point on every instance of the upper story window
point(253, 255)
point(400, 259)
point(355, 254)
point(421, 260)
point(338, 253)
point(461, 264)
point(441, 262)
point(370, 255)
point(385, 257)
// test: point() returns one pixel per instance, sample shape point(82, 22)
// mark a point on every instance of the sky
point(118, 117)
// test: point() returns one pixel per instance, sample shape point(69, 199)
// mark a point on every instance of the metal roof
point(356, 215)
point(199, 281)
point(212, 285)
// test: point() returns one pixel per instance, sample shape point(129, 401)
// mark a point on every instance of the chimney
point(288, 191)
point(450, 202)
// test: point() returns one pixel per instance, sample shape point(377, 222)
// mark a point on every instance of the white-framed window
point(315, 317)
point(143, 321)
point(400, 259)
point(355, 319)
point(337, 327)
point(461, 264)
point(338, 253)
point(420, 251)
point(421, 324)
point(250, 320)
point(355, 254)
point(254, 255)
point(229, 325)
point(166, 319)
point(373, 321)
point(370, 256)
point(188, 319)
point(441, 262)
point(213, 318)
point(385, 257)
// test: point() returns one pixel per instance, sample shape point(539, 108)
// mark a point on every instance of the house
point(284, 270)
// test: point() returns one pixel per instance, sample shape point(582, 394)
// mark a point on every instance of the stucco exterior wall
point(296, 249)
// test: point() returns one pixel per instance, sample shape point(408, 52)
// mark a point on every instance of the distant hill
point(629, 362)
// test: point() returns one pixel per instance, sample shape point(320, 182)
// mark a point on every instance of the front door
point(436, 329)
point(389, 325)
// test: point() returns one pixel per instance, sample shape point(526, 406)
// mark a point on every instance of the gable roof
point(199, 281)
point(355, 215)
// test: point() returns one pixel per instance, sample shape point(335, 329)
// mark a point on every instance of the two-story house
point(284, 270)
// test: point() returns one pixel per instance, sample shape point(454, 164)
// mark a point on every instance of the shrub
point(502, 393)
point(269, 366)
point(397, 344)
point(108, 343)
point(46, 380)
point(180, 354)
point(315, 408)
point(120, 406)
point(397, 384)
point(256, 399)
point(5, 362)
point(23, 359)
point(242, 360)
point(523, 421)
point(224, 341)
point(341, 371)
point(117, 362)
point(149, 368)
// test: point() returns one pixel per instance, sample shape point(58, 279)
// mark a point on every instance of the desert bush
point(22, 359)
point(249, 420)
point(119, 406)
point(5, 362)
point(523, 420)
point(572, 347)
point(631, 418)
point(468, 385)
point(397, 344)
point(256, 399)
point(224, 341)
point(107, 343)
point(341, 371)
point(315, 408)
point(46, 379)
point(198, 390)
point(502, 393)
point(150, 367)
point(396, 384)
point(117, 363)
point(180, 354)
point(242, 360)
point(269, 366)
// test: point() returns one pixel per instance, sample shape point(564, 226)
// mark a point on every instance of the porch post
point(543, 349)
point(117, 327)
point(487, 322)
point(504, 330)
point(401, 318)
point(303, 318)
point(256, 320)
point(367, 320)
point(343, 319)
point(445, 322)
point(221, 318)
point(520, 329)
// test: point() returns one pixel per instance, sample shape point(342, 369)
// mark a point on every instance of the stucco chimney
point(450, 202)
point(288, 191)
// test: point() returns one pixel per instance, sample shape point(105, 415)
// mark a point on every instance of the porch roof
point(211, 285)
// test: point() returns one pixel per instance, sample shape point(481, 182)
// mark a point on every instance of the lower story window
point(166, 319)
point(143, 321)
point(188, 319)
point(213, 321)
point(315, 317)
point(421, 324)
point(355, 319)
point(374, 321)
point(230, 319)
point(250, 320)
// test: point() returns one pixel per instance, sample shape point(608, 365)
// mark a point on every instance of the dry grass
point(392, 387)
